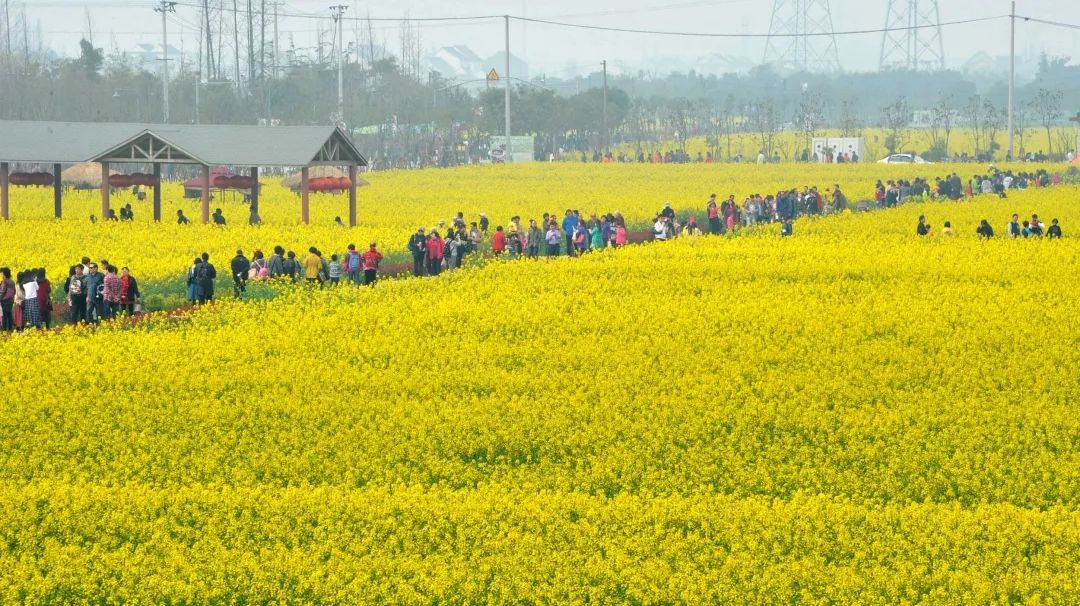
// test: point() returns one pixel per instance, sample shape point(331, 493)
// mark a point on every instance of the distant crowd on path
point(316, 269)
point(446, 246)
point(95, 295)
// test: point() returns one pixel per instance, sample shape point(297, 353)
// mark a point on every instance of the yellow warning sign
point(493, 75)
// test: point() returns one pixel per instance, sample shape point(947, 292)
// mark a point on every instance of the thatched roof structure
point(84, 176)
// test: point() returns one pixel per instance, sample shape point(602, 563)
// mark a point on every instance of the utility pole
point(508, 157)
point(604, 137)
point(251, 45)
point(277, 64)
point(337, 12)
point(236, 42)
point(165, 8)
point(209, 70)
point(1012, 78)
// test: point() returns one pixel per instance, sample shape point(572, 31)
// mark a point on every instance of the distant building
point(460, 63)
point(147, 57)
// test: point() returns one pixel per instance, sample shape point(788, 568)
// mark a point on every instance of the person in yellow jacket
point(312, 266)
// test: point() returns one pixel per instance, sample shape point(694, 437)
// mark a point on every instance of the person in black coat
point(1054, 231)
point(418, 248)
point(240, 267)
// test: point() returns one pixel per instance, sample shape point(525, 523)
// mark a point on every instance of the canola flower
point(392, 207)
point(853, 416)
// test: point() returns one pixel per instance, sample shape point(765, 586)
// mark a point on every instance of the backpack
point(202, 274)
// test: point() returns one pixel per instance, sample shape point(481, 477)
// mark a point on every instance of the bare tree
point(993, 122)
point(974, 119)
point(941, 125)
point(850, 121)
point(1047, 106)
point(896, 119)
point(810, 116)
point(765, 122)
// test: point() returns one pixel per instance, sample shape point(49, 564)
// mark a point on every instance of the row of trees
point(401, 116)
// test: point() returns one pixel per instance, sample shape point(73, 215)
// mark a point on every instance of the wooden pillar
point(352, 196)
point(4, 185)
point(305, 214)
point(255, 189)
point(58, 192)
point(205, 195)
point(157, 192)
point(105, 190)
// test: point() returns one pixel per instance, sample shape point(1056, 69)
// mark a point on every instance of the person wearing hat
point(240, 267)
point(418, 248)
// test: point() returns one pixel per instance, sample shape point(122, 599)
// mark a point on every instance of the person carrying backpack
point(205, 276)
point(352, 265)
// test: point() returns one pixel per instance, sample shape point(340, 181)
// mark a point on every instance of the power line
point(729, 35)
point(1046, 22)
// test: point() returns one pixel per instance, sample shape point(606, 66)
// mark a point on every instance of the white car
point(903, 159)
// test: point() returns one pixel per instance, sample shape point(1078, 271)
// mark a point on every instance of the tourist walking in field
point(31, 309)
point(372, 259)
point(552, 238)
point(312, 266)
point(534, 240)
point(712, 210)
point(452, 249)
point(75, 288)
point(291, 267)
point(181, 219)
point(95, 289)
point(207, 275)
point(111, 295)
point(621, 237)
point(258, 269)
point(19, 303)
point(7, 298)
point(922, 228)
point(1054, 231)
point(240, 267)
point(45, 297)
point(569, 223)
point(1014, 230)
point(418, 248)
point(193, 281)
point(129, 292)
point(333, 270)
point(435, 249)
point(352, 265)
point(218, 218)
point(498, 241)
point(275, 267)
point(984, 230)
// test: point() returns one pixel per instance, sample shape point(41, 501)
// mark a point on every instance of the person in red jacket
point(44, 297)
point(371, 260)
point(498, 241)
point(435, 253)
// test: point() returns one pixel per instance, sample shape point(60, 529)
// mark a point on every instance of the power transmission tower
point(801, 36)
point(912, 38)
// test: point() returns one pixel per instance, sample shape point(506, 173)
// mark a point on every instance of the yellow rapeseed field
point(853, 415)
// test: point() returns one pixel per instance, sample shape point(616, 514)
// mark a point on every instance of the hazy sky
point(551, 49)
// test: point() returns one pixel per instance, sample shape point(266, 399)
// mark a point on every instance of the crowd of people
point(317, 269)
point(96, 292)
point(26, 301)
